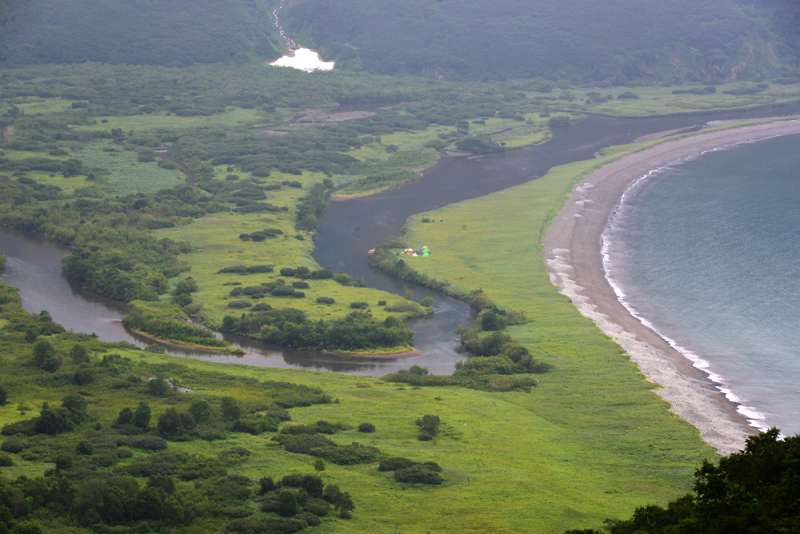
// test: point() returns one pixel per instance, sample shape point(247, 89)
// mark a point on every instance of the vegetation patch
point(167, 322)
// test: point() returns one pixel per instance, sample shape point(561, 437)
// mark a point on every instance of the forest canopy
point(576, 40)
point(135, 32)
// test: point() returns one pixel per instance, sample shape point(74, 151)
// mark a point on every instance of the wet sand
point(573, 257)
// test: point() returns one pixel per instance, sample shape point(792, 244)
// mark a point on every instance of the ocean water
point(706, 251)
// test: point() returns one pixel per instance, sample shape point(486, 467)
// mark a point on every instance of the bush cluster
point(261, 235)
point(315, 444)
point(290, 327)
point(241, 269)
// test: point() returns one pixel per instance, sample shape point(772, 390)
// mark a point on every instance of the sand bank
point(573, 256)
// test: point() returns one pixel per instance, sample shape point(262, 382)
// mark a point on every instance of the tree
point(266, 484)
point(169, 422)
point(113, 505)
point(171, 511)
point(27, 527)
point(53, 422)
point(319, 465)
point(32, 332)
point(141, 417)
point(313, 485)
point(76, 406)
point(78, 354)
point(287, 504)
point(159, 387)
point(125, 417)
point(230, 409)
point(345, 506)
point(44, 356)
point(200, 410)
point(3, 396)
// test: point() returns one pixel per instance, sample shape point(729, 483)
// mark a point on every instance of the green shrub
point(14, 444)
point(359, 305)
point(343, 279)
point(429, 427)
point(146, 443)
point(366, 427)
point(320, 427)
point(84, 447)
point(287, 504)
point(6, 460)
point(325, 300)
point(300, 285)
point(402, 306)
point(158, 387)
point(491, 321)
point(309, 518)
point(240, 304)
point(318, 507)
point(395, 463)
point(266, 485)
point(418, 474)
point(559, 121)
point(254, 427)
point(266, 525)
point(352, 454)
point(78, 354)
point(83, 375)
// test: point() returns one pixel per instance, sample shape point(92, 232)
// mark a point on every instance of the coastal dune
point(574, 259)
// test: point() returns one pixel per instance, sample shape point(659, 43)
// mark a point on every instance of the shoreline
point(573, 254)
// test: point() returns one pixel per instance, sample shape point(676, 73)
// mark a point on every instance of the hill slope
point(579, 40)
point(139, 32)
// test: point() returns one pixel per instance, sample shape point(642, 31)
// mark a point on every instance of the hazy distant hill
point(144, 32)
point(612, 40)
point(606, 41)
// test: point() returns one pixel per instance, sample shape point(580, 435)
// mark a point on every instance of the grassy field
point(513, 462)
point(217, 245)
point(656, 100)
point(126, 175)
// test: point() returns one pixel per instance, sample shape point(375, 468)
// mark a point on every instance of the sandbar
point(573, 257)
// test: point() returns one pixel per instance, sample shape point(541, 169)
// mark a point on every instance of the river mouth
point(345, 233)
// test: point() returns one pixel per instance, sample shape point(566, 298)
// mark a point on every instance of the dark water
point(345, 233)
point(707, 252)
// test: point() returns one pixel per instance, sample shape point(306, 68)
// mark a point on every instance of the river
point(345, 233)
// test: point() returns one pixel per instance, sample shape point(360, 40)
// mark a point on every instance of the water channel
point(345, 233)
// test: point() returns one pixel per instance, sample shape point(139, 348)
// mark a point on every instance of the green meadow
point(513, 462)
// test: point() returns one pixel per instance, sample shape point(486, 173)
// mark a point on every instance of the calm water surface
point(345, 233)
point(707, 251)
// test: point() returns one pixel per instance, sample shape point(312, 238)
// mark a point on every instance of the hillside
point(138, 32)
point(576, 40)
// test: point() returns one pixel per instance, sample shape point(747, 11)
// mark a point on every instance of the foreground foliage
point(750, 492)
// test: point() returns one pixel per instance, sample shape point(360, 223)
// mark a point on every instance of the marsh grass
point(125, 173)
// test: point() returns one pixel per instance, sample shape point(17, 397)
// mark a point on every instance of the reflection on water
point(34, 267)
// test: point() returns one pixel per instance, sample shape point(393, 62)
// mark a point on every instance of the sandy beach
point(573, 256)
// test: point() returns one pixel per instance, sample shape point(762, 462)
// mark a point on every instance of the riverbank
point(188, 346)
point(574, 257)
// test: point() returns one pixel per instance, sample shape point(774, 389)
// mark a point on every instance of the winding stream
point(345, 233)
